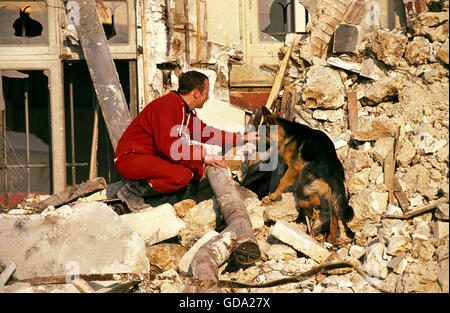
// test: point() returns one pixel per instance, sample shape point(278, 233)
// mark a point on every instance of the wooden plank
point(288, 102)
point(419, 210)
point(279, 78)
point(401, 196)
point(246, 250)
point(7, 273)
point(389, 173)
point(94, 145)
point(120, 287)
point(102, 70)
point(62, 279)
point(82, 285)
point(352, 109)
point(236, 239)
point(73, 192)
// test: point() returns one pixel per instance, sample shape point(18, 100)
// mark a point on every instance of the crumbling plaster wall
point(170, 45)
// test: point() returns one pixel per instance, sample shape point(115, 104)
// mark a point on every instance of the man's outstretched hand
point(251, 136)
point(215, 160)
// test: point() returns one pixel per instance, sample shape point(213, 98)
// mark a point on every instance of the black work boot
point(134, 192)
point(190, 191)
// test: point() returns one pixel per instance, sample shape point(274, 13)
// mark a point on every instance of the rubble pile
point(396, 159)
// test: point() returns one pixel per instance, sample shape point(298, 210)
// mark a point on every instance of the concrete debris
point(285, 209)
point(156, 224)
point(62, 243)
point(397, 81)
point(316, 96)
point(300, 241)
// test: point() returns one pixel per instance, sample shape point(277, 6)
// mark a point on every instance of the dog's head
point(269, 120)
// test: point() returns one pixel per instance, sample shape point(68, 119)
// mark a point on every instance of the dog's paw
point(267, 201)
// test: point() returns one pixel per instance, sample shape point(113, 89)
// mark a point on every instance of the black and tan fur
point(310, 154)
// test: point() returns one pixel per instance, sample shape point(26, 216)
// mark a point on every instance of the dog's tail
point(337, 200)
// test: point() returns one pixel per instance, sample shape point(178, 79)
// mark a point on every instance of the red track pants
point(163, 175)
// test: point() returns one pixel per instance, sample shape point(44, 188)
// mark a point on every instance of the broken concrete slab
point(63, 243)
point(382, 90)
point(346, 65)
point(418, 51)
point(323, 88)
point(368, 205)
point(429, 144)
point(376, 128)
point(440, 230)
point(398, 264)
point(255, 212)
point(203, 217)
point(444, 275)
point(433, 25)
point(165, 256)
point(329, 115)
point(300, 241)
point(381, 148)
point(156, 224)
point(388, 46)
point(371, 69)
point(279, 252)
point(406, 153)
point(374, 263)
point(443, 52)
point(285, 209)
point(442, 211)
point(357, 251)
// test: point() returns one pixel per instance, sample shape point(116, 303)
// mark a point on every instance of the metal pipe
point(27, 135)
point(5, 155)
point(72, 125)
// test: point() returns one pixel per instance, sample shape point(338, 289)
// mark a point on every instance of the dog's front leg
point(287, 180)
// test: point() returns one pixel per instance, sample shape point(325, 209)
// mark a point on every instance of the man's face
point(202, 97)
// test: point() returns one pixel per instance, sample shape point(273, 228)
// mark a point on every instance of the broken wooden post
point(73, 192)
point(236, 239)
point(352, 109)
point(288, 102)
point(82, 285)
point(205, 263)
point(246, 250)
point(102, 69)
point(6, 274)
point(279, 78)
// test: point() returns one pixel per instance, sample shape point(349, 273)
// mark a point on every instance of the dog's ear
point(265, 111)
point(268, 117)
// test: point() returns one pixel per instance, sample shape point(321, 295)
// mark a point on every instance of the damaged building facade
point(372, 74)
point(49, 103)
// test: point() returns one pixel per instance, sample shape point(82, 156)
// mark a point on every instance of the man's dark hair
point(190, 80)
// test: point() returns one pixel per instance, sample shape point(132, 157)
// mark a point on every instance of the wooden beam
point(288, 102)
point(102, 70)
point(94, 145)
point(352, 109)
point(6, 274)
point(246, 250)
point(82, 285)
point(72, 193)
point(279, 78)
point(236, 239)
point(419, 210)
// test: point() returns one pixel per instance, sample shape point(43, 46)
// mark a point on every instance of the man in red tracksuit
point(155, 153)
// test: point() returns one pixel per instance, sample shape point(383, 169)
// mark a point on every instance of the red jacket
point(158, 130)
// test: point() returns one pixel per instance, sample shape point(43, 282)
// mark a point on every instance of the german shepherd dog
point(310, 156)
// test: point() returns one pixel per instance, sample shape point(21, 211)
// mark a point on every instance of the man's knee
point(175, 181)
